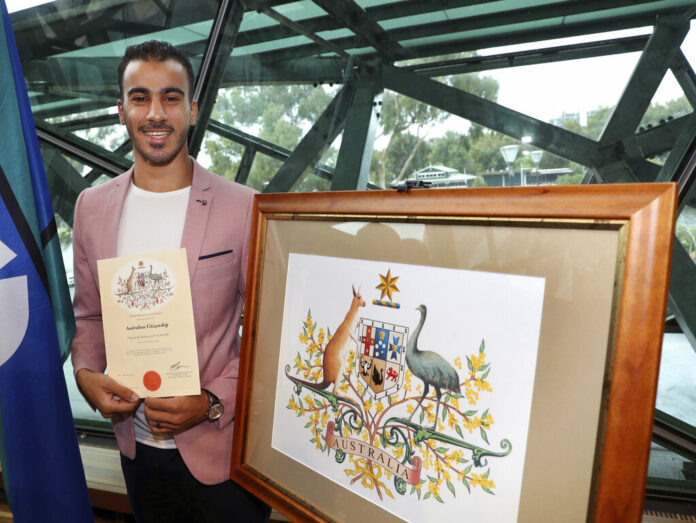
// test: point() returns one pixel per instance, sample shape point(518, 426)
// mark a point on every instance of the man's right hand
point(104, 394)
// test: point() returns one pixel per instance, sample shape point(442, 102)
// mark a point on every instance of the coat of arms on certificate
point(409, 385)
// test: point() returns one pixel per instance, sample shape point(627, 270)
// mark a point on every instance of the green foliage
point(479, 182)
point(658, 113)
point(64, 232)
point(569, 179)
point(280, 114)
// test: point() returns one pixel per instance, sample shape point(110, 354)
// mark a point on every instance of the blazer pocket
point(217, 283)
point(216, 258)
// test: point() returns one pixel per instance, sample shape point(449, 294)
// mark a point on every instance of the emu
point(430, 368)
point(155, 276)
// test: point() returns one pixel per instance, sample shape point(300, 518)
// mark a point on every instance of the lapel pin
point(203, 202)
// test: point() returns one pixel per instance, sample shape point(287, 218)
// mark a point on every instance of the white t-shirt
point(151, 222)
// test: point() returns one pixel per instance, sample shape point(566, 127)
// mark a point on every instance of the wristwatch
point(215, 408)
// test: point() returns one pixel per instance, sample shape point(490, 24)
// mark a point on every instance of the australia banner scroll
point(148, 323)
point(356, 447)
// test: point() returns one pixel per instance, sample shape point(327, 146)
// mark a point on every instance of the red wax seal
point(152, 380)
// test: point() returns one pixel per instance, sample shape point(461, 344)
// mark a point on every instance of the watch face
point(215, 411)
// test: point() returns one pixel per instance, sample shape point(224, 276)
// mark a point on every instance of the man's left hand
point(174, 415)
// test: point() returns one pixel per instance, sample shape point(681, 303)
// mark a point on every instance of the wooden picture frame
point(605, 254)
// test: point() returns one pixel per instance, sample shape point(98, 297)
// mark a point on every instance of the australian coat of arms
point(143, 286)
point(399, 419)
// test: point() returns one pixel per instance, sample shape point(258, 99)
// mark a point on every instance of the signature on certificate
point(178, 365)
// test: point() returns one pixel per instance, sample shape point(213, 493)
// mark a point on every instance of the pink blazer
point(218, 283)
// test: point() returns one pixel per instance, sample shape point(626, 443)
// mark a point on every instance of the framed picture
point(453, 354)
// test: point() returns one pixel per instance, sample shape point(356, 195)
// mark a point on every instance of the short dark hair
point(154, 50)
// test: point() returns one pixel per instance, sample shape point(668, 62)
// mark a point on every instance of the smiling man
point(175, 452)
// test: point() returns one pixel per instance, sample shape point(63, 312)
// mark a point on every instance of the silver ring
point(157, 425)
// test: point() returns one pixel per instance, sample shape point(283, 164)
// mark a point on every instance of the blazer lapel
point(200, 200)
point(112, 214)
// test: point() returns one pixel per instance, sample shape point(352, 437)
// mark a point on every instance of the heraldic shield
point(381, 364)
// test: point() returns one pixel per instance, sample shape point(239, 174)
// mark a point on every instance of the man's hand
point(104, 394)
point(174, 415)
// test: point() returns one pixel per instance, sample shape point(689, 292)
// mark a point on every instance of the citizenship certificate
point(148, 323)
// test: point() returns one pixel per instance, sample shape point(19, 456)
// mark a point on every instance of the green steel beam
point(493, 116)
point(69, 109)
point(299, 29)
point(646, 78)
point(657, 140)
point(494, 39)
point(357, 144)
point(250, 70)
point(64, 182)
point(121, 150)
point(349, 14)
point(475, 64)
point(258, 70)
point(245, 165)
point(682, 300)
point(662, 490)
point(643, 170)
point(255, 5)
point(319, 138)
point(617, 171)
point(82, 150)
point(326, 23)
point(674, 434)
point(268, 148)
point(249, 140)
point(91, 122)
point(684, 73)
point(220, 45)
point(674, 166)
point(617, 20)
point(510, 17)
point(523, 36)
point(46, 30)
point(630, 167)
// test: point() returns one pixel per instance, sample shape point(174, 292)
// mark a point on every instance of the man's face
point(156, 109)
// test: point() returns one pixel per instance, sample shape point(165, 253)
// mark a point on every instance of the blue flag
point(41, 465)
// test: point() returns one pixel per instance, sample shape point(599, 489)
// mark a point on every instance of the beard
point(156, 154)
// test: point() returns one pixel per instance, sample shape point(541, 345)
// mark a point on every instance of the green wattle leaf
point(451, 488)
point(484, 436)
point(466, 484)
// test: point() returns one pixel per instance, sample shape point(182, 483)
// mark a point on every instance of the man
point(175, 452)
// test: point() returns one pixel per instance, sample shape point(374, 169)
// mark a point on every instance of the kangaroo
point(334, 353)
point(130, 280)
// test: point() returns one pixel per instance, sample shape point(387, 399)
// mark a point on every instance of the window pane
point(66, 177)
